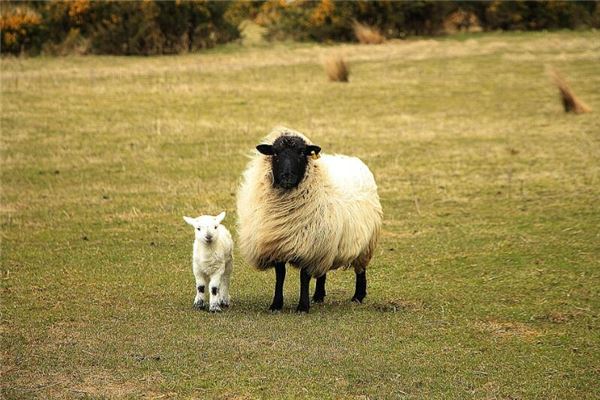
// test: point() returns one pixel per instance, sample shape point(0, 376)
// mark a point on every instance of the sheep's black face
point(289, 158)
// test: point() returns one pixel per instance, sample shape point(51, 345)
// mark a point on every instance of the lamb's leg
point(277, 304)
point(224, 291)
point(214, 286)
point(320, 294)
point(200, 290)
point(304, 304)
point(361, 287)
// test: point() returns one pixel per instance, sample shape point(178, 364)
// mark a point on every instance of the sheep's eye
point(198, 228)
point(215, 226)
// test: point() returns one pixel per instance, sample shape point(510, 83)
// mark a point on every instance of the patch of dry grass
point(508, 329)
point(570, 102)
point(336, 69)
point(366, 34)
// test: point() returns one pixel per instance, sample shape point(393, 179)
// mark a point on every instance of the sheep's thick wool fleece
point(331, 220)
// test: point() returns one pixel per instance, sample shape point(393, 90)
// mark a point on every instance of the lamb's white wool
point(331, 220)
point(212, 260)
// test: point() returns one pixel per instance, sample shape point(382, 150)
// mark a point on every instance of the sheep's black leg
point(361, 287)
point(319, 295)
point(277, 304)
point(304, 303)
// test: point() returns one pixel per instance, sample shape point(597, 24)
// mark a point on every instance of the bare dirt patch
point(505, 329)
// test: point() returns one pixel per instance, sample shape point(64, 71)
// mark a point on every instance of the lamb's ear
point(220, 217)
point(312, 149)
point(265, 149)
point(189, 220)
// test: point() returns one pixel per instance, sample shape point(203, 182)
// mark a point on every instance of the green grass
point(485, 284)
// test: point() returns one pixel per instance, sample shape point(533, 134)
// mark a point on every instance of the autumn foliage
point(170, 27)
point(328, 20)
point(114, 27)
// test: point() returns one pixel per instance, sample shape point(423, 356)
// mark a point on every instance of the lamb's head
point(206, 227)
point(289, 158)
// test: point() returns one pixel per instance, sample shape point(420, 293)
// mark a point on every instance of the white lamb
point(212, 260)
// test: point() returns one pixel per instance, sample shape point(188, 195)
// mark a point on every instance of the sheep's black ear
point(265, 149)
point(312, 148)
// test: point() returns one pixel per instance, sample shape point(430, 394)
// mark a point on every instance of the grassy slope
point(486, 282)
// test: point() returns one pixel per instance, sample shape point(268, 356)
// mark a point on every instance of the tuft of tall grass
point(336, 69)
point(570, 101)
point(366, 34)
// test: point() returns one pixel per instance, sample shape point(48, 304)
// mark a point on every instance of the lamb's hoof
point(224, 304)
point(215, 308)
point(356, 300)
point(274, 311)
point(199, 304)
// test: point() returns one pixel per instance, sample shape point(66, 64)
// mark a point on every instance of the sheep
point(317, 213)
point(212, 260)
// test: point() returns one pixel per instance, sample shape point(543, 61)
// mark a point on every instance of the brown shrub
point(73, 43)
point(366, 34)
point(336, 69)
point(461, 21)
point(571, 103)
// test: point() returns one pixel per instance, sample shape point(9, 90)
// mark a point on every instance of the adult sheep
point(315, 213)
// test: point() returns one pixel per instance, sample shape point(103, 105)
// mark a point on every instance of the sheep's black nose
point(287, 184)
point(287, 181)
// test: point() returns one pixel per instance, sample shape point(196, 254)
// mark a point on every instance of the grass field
point(485, 284)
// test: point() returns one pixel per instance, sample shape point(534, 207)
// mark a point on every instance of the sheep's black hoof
point(215, 309)
point(224, 304)
point(302, 309)
point(318, 298)
point(356, 300)
point(276, 307)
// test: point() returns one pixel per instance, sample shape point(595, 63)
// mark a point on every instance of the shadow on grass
point(259, 304)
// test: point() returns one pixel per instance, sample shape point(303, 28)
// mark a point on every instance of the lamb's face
point(206, 227)
point(289, 158)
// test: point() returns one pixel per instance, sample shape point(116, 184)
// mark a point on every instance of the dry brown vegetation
point(570, 101)
point(508, 329)
point(461, 21)
point(336, 69)
point(366, 34)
